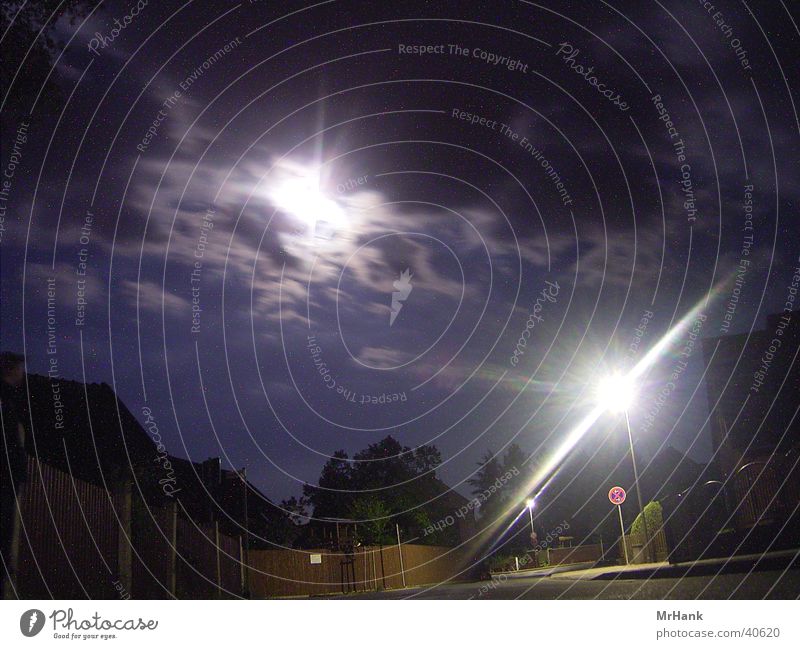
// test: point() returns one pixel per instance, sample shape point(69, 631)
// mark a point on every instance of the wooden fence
point(282, 573)
point(578, 554)
point(68, 543)
point(77, 541)
point(656, 550)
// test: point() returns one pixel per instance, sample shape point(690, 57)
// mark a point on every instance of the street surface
point(757, 585)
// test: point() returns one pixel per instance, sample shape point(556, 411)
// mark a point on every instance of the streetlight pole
point(636, 483)
point(530, 504)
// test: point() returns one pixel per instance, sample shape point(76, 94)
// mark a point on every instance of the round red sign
point(616, 495)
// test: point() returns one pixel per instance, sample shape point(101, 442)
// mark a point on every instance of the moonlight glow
point(302, 198)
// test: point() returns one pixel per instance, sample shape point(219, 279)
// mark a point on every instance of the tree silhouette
point(29, 69)
point(402, 479)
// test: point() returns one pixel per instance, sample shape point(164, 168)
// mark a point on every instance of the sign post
point(400, 552)
point(617, 496)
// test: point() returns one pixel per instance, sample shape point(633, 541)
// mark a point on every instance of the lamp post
point(638, 491)
point(617, 393)
point(531, 503)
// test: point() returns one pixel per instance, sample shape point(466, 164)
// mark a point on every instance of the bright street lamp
point(616, 393)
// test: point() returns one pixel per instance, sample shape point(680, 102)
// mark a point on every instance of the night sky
point(227, 196)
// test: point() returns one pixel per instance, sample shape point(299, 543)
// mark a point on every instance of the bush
point(655, 521)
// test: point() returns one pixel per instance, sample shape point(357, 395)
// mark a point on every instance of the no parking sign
point(616, 495)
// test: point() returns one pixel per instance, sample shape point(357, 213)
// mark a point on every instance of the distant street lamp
point(617, 393)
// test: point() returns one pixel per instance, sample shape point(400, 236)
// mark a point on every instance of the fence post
point(366, 569)
point(12, 562)
point(241, 566)
point(219, 571)
point(383, 567)
point(125, 538)
point(400, 552)
point(173, 562)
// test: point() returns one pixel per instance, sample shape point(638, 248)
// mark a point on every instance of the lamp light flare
point(616, 392)
point(574, 436)
point(530, 503)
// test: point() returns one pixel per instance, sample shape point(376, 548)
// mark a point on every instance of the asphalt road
point(757, 585)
